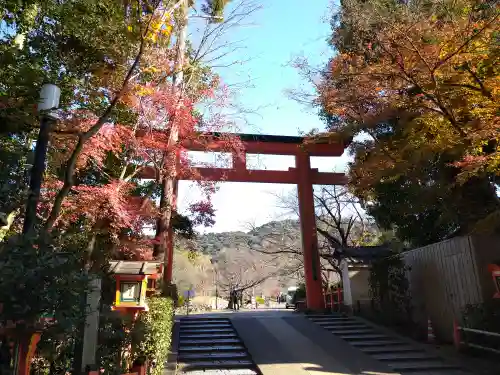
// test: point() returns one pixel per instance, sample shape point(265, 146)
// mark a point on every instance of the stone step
point(211, 348)
point(350, 331)
point(330, 318)
point(364, 337)
point(411, 356)
point(207, 336)
point(341, 324)
point(421, 366)
point(329, 314)
point(190, 357)
point(345, 328)
point(223, 364)
point(205, 325)
point(208, 342)
point(240, 371)
point(377, 343)
point(389, 349)
point(183, 330)
point(204, 320)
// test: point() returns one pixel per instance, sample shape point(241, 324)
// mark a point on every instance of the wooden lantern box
point(134, 281)
point(495, 273)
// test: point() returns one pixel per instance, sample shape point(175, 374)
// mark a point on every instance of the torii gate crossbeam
point(302, 175)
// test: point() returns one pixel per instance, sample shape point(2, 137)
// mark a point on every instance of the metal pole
point(49, 99)
point(36, 175)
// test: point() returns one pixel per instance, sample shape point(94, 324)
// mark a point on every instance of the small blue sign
point(189, 294)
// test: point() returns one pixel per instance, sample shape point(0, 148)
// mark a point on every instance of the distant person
point(235, 300)
point(231, 299)
point(240, 299)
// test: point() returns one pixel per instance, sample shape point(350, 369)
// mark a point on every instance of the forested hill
point(211, 243)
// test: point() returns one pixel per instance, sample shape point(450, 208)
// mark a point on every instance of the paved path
point(279, 346)
point(280, 342)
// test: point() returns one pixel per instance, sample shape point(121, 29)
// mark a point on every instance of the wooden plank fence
point(447, 276)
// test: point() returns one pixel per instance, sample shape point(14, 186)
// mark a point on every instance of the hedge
point(153, 333)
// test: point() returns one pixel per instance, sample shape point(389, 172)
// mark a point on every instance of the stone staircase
point(401, 356)
point(210, 346)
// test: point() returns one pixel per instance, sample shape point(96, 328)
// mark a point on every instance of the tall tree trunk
point(168, 181)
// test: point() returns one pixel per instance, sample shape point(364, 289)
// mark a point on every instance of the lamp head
point(49, 97)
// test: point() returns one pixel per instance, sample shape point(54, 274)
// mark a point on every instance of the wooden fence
point(447, 276)
point(333, 299)
point(461, 339)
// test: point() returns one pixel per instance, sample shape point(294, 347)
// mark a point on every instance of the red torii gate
point(302, 175)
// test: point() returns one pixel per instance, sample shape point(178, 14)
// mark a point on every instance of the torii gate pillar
point(312, 267)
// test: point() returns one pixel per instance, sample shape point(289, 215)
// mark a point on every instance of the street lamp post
point(49, 99)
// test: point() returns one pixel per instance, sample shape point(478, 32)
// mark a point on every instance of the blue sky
point(281, 30)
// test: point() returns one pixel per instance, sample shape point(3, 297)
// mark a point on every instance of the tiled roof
point(366, 252)
point(126, 267)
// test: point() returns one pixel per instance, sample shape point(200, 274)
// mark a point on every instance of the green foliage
point(71, 43)
point(212, 243)
point(113, 338)
point(389, 289)
point(425, 213)
point(426, 160)
point(300, 293)
point(486, 317)
point(54, 355)
point(85, 47)
point(215, 9)
point(260, 300)
point(14, 155)
point(152, 333)
point(38, 281)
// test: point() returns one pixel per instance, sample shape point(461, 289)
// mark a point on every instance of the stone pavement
point(278, 347)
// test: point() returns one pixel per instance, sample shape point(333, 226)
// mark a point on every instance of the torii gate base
point(302, 175)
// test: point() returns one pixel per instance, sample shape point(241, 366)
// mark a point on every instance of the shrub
point(300, 293)
point(486, 317)
point(153, 333)
point(389, 290)
point(113, 338)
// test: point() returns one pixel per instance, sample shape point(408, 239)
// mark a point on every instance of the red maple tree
point(139, 151)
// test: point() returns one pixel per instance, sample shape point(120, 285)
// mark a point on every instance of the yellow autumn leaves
point(159, 28)
point(434, 83)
